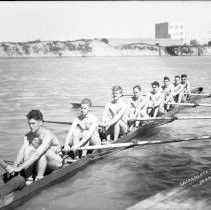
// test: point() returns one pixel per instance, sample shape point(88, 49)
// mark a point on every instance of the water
point(127, 177)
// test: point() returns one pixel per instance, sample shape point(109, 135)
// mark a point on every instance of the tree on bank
point(104, 40)
point(194, 42)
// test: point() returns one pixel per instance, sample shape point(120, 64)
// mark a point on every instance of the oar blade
point(58, 122)
point(78, 105)
point(75, 105)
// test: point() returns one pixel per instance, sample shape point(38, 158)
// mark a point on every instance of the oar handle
point(191, 117)
point(58, 122)
point(172, 118)
point(189, 104)
point(133, 95)
point(139, 143)
point(198, 94)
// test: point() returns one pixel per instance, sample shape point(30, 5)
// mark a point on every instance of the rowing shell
point(20, 196)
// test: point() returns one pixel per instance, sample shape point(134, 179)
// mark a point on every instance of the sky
point(27, 21)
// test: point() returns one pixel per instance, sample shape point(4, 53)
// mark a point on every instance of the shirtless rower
point(84, 130)
point(178, 89)
point(155, 100)
point(186, 87)
point(41, 148)
point(117, 123)
point(168, 90)
point(136, 107)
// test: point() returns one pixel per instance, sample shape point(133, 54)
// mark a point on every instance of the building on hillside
point(170, 31)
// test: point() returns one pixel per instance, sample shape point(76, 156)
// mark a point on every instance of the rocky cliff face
point(84, 47)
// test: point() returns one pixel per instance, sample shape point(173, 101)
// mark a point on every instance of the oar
point(198, 94)
point(173, 118)
point(145, 119)
point(189, 104)
point(139, 143)
point(58, 122)
point(9, 162)
point(78, 105)
point(133, 144)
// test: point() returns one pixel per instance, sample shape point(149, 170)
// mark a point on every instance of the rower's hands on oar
point(9, 169)
point(74, 148)
point(12, 169)
point(104, 125)
point(66, 148)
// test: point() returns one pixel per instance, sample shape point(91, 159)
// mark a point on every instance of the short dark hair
point(117, 88)
point(166, 78)
point(137, 86)
point(35, 114)
point(87, 101)
point(184, 75)
point(177, 76)
point(155, 83)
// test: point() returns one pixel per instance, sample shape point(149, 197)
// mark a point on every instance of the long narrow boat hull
point(19, 197)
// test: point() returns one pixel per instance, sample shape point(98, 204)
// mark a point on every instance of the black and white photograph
point(105, 105)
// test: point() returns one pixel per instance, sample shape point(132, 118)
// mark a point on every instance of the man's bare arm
point(20, 155)
point(3, 164)
point(188, 87)
point(70, 133)
point(105, 113)
point(170, 95)
point(46, 143)
point(128, 107)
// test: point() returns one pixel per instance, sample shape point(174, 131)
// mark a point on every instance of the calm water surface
point(129, 176)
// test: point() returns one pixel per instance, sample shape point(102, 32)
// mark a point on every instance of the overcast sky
point(24, 21)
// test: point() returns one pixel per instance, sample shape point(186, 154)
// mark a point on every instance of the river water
point(129, 176)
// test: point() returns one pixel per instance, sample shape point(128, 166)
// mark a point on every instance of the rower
point(178, 89)
point(136, 107)
point(12, 182)
point(155, 100)
point(186, 87)
point(84, 130)
point(40, 150)
point(168, 90)
point(116, 123)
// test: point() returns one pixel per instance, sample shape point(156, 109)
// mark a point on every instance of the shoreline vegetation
point(96, 47)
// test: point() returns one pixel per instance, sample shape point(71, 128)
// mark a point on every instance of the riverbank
point(95, 47)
